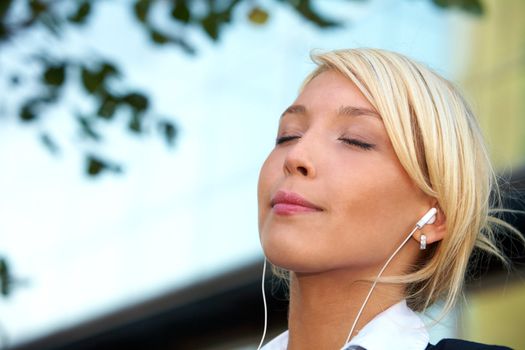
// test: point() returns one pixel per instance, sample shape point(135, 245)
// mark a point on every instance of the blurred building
point(494, 77)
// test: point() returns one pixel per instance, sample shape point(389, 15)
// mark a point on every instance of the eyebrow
point(349, 111)
point(356, 111)
point(294, 109)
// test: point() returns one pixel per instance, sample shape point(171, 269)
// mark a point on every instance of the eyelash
point(352, 142)
point(357, 143)
point(283, 139)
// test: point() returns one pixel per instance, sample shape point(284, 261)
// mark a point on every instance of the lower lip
point(290, 209)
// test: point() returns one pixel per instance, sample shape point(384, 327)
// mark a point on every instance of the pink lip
point(289, 203)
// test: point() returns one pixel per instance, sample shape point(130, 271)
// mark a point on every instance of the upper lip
point(292, 198)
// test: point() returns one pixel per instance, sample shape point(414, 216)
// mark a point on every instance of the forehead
point(331, 92)
point(331, 89)
point(344, 111)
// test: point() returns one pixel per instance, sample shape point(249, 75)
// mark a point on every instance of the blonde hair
point(438, 142)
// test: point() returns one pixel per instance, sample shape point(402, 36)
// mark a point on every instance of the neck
point(323, 307)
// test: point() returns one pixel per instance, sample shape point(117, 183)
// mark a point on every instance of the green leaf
point(108, 106)
point(304, 8)
point(30, 108)
point(180, 11)
point(52, 23)
point(54, 75)
point(183, 44)
point(258, 16)
point(87, 128)
point(49, 143)
point(27, 111)
point(211, 26)
point(93, 79)
point(141, 9)
point(49, 96)
point(37, 7)
point(135, 123)
point(5, 278)
point(442, 3)
point(169, 131)
point(96, 165)
point(473, 7)
point(139, 102)
point(5, 5)
point(158, 37)
point(4, 32)
point(163, 39)
point(225, 15)
point(90, 80)
point(81, 14)
point(108, 69)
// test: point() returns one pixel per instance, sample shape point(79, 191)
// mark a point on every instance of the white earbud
point(428, 218)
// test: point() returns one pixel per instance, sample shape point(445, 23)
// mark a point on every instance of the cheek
point(267, 179)
point(285, 241)
point(378, 187)
point(373, 212)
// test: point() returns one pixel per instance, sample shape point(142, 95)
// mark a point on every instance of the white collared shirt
point(398, 327)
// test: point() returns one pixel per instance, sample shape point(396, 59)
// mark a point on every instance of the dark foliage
point(98, 74)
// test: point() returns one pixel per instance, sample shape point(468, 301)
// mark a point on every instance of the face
point(332, 193)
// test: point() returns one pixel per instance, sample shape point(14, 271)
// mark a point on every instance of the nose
point(299, 159)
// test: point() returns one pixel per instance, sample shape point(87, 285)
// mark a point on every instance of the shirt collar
point(397, 327)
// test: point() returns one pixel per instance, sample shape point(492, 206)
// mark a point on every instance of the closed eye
point(283, 139)
point(357, 143)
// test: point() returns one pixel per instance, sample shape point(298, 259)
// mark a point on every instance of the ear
point(436, 231)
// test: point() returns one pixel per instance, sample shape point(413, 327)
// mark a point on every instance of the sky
point(86, 247)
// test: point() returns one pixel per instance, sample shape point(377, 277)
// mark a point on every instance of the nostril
point(302, 170)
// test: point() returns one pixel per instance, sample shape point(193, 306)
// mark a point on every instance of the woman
point(373, 142)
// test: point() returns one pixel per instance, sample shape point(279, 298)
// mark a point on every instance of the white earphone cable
point(375, 283)
point(265, 306)
point(429, 217)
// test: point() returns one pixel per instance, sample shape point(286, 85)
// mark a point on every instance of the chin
point(292, 258)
